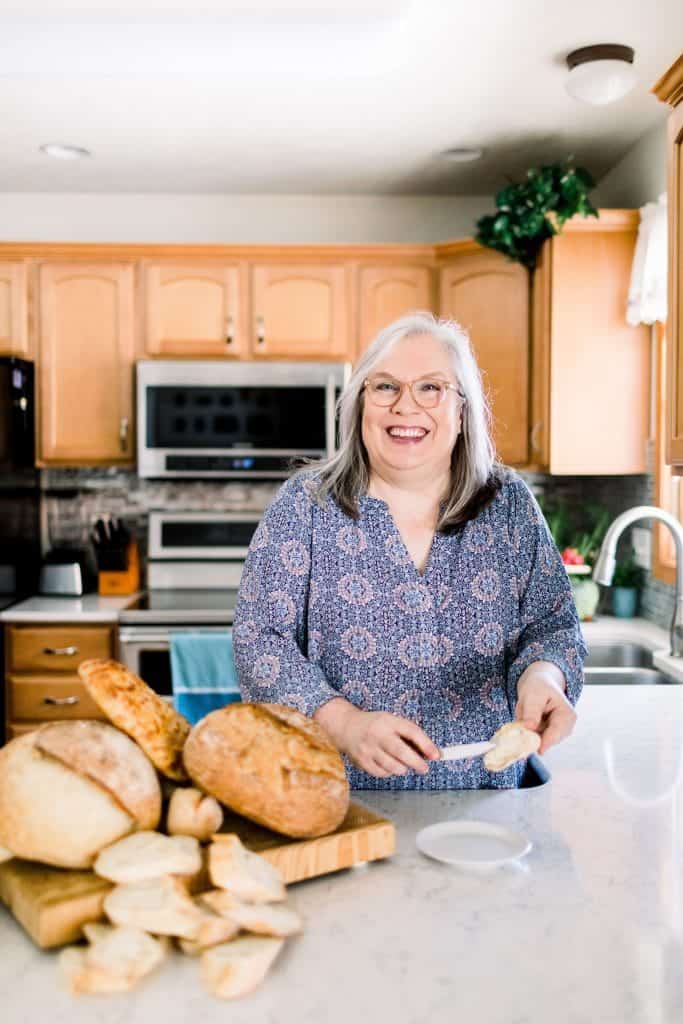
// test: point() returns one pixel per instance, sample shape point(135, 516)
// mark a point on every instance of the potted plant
point(579, 545)
point(626, 584)
point(531, 211)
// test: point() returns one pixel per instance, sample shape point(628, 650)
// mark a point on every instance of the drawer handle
point(67, 651)
point(260, 331)
point(60, 701)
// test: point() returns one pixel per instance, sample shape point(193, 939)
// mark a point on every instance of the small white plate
point(474, 845)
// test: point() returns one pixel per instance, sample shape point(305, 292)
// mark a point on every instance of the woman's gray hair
point(345, 476)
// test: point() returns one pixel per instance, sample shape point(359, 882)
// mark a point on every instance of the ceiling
point(312, 97)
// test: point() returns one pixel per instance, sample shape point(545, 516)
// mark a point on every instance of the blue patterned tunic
point(330, 607)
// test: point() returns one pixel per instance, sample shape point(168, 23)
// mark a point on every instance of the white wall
point(640, 176)
point(121, 217)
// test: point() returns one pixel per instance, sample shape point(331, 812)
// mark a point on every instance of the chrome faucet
point(603, 569)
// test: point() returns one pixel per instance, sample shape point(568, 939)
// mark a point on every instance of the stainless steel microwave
point(234, 420)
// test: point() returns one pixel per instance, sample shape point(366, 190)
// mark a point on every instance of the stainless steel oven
point(195, 562)
point(246, 420)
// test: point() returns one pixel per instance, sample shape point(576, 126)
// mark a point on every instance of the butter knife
point(459, 751)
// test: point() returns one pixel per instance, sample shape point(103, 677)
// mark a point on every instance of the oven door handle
point(144, 639)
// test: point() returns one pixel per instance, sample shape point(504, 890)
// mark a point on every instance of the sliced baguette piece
point(114, 962)
point(213, 931)
point(191, 813)
point(159, 905)
point(266, 919)
point(244, 874)
point(513, 741)
point(218, 901)
point(134, 707)
point(238, 967)
point(146, 855)
point(95, 931)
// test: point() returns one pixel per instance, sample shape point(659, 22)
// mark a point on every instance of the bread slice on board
point(271, 764)
point(244, 874)
point(134, 707)
point(266, 919)
point(145, 855)
point(213, 931)
point(191, 813)
point(238, 967)
point(114, 962)
point(160, 905)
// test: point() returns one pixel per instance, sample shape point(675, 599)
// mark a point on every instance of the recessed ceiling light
point(61, 152)
point(600, 74)
point(462, 154)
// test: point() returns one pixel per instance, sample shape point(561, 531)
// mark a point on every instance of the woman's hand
point(542, 704)
point(377, 742)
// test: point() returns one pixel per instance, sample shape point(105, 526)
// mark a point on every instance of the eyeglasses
point(428, 392)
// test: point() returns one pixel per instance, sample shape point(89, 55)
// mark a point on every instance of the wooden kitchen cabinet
point(195, 309)
point(41, 678)
point(86, 356)
point(386, 293)
point(591, 369)
point(669, 89)
point(13, 309)
point(488, 295)
point(300, 311)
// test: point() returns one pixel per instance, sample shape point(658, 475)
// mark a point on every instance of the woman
point(406, 593)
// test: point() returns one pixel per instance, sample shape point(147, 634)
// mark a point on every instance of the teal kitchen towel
point(203, 673)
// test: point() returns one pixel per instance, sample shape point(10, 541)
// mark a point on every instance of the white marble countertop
point(588, 928)
point(88, 608)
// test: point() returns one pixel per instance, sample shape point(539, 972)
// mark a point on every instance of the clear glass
point(428, 392)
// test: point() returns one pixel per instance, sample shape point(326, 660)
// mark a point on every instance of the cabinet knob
point(67, 652)
point(260, 331)
point(229, 332)
point(123, 433)
point(60, 701)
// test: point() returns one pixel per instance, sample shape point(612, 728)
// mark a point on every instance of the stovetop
point(181, 607)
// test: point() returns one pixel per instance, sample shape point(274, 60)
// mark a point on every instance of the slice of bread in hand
point(238, 967)
point(114, 962)
point(146, 855)
point(190, 813)
point(244, 874)
point(137, 710)
point(513, 742)
point(160, 905)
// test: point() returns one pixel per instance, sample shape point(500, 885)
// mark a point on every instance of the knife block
point(125, 581)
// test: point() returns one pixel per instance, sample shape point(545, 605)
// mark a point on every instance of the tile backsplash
point(74, 498)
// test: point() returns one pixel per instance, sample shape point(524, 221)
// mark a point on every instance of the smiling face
point(404, 436)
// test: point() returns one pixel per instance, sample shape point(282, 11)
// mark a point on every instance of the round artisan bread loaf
point(69, 789)
point(271, 764)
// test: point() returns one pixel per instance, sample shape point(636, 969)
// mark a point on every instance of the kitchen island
point(588, 927)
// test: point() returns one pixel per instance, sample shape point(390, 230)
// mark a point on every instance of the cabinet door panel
point(674, 439)
point(13, 317)
point(489, 297)
point(194, 310)
point(87, 353)
point(387, 293)
point(300, 312)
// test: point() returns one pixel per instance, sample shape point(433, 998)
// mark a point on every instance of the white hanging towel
point(648, 287)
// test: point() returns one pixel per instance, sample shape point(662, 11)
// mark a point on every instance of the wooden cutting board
point(52, 904)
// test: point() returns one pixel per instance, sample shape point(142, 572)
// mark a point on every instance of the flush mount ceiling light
point(462, 154)
point(62, 152)
point(600, 74)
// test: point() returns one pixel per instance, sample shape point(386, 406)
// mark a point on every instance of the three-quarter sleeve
point(549, 624)
point(269, 632)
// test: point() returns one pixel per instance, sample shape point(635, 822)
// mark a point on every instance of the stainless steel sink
point(614, 655)
point(622, 664)
point(626, 677)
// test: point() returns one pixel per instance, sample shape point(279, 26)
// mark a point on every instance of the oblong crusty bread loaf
point(52, 812)
point(134, 707)
point(271, 764)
